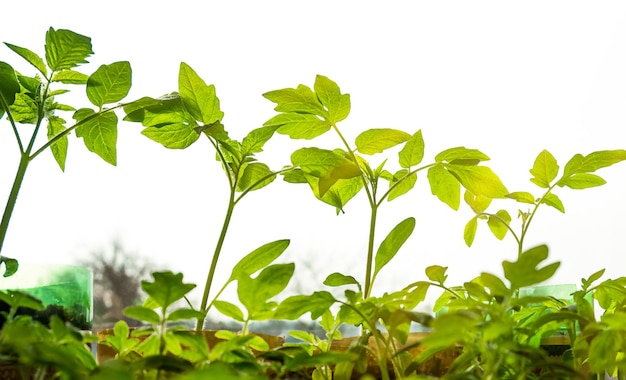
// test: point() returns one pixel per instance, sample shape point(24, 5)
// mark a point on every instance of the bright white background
point(508, 78)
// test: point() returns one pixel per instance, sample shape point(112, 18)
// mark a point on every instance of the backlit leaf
point(377, 140)
point(498, 224)
point(259, 258)
point(66, 49)
point(329, 94)
point(70, 77)
point(437, 273)
point(444, 186)
point(324, 163)
point(9, 86)
point(201, 100)
point(582, 181)
point(167, 288)
point(256, 139)
point(526, 271)
point(109, 84)
point(99, 133)
point(553, 200)
point(30, 57)
point(522, 197)
point(338, 279)
point(477, 203)
point(252, 174)
point(255, 292)
point(402, 186)
point(297, 100)
point(184, 314)
point(544, 170)
point(461, 153)
point(143, 314)
point(299, 125)
point(392, 243)
point(295, 306)
point(173, 136)
point(24, 109)
point(480, 180)
point(469, 232)
point(56, 125)
point(230, 310)
point(412, 153)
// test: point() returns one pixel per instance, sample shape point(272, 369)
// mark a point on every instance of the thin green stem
point(526, 225)
point(398, 182)
point(15, 189)
point(369, 280)
point(506, 224)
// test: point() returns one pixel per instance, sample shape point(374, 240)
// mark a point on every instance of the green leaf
point(522, 197)
point(9, 86)
point(461, 153)
point(412, 153)
point(338, 279)
point(402, 186)
point(444, 186)
point(143, 314)
point(324, 163)
point(299, 125)
point(525, 272)
point(498, 224)
point(336, 192)
point(601, 159)
point(295, 306)
point(252, 174)
point(200, 99)
point(99, 133)
point(109, 84)
point(184, 314)
point(255, 292)
point(167, 288)
point(24, 109)
point(10, 266)
point(256, 139)
point(377, 140)
point(70, 77)
point(329, 94)
point(477, 203)
point(480, 180)
point(553, 201)
point(56, 125)
point(66, 49)
point(172, 136)
point(16, 299)
point(230, 310)
point(582, 181)
point(30, 57)
point(437, 273)
point(544, 170)
point(259, 259)
point(392, 243)
point(469, 233)
point(297, 100)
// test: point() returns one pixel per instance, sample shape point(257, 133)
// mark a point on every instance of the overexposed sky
point(508, 78)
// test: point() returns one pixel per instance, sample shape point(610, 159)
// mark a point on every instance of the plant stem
point(216, 255)
point(17, 183)
point(370, 253)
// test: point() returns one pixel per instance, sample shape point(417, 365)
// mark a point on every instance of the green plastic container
point(65, 290)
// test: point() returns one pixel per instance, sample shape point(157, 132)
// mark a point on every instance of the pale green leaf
point(480, 180)
point(230, 310)
point(24, 109)
point(299, 125)
point(259, 259)
point(329, 94)
point(341, 191)
point(142, 314)
point(377, 140)
point(66, 49)
point(338, 279)
point(526, 271)
point(469, 232)
point(324, 163)
point(255, 292)
point(30, 57)
point(601, 159)
point(184, 314)
point(582, 181)
point(56, 125)
point(295, 306)
point(544, 170)
point(167, 288)
point(297, 100)
point(522, 197)
point(392, 243)
point(461, 153)
point(255, 176)
point(437, 273)
point(199, 98)
point(444, 186)
point(412, 153)
point(99, 133)
point(498, 224)
point(256, 139)
point(553, 201)
point(477, 203)
point(173, 136)
point(402, 186)
point(109, 84)
point(70, 77)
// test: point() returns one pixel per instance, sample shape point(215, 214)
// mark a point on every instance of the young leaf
point(297, 100)
point(522, 197)
point(172, 136)
point(30, 57)
point(200, 99)
point(444, 186)
point(469, 233)
point(70, 77)
point(295, 306)
point(9, 86)
point(412, 153)
point(230, 310)
point(498, 224)
point(582, 181)
point(477, 203)
point(480, 180)
point(109, 84)
point(66, 49)
point(256, 139)
point(167, 288)
point(601, 159)
point(461, 153)
point(184, 314)
point(329, 94)
point(377, 140)
point(338, 279)
point(252, 174)
point(143, 314)
point(56, 125)
point(437, 273)
point(324, 163)
point(99, 133)
point(525, 272)
point(255, 292)
point(259, 259)
point(392, 243)
point(553, 200)
point(402, 186)
point(10, 266)
point(299, 125)
point(24, 109)
point(544, 170)
point(339, 194)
